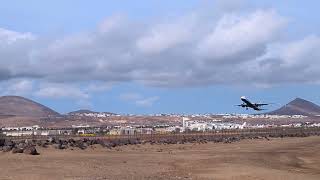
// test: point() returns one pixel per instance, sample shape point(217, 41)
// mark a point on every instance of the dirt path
point(288, 158)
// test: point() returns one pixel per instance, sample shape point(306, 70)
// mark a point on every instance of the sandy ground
point(288, 158)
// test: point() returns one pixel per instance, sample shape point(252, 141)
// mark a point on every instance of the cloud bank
point(229, 48)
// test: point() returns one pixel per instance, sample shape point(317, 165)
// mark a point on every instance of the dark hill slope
point(20, 106)
point(298, 106)
point(81, 111)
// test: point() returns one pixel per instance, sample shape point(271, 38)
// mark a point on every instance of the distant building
point(144, 130)
point(127, 131)
point(114, 132)
point(25, 128)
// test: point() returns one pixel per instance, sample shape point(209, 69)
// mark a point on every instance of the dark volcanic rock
point(2, 142)
point(17, 150)
point(60, 146)
point(43, 143)
point(30, 150)
point(80, 144)
point(6, 148)
point(9, 143)
point(21, 145)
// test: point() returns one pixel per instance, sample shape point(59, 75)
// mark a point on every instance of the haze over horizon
point(159, 56)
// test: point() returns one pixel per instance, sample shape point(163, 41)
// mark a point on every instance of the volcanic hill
point(81, 111)
point(298, 107)
point(20, 106)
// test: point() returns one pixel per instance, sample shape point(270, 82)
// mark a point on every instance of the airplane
point(247, 104)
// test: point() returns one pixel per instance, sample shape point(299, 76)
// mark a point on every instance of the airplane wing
point(261, 104)
point(262, 109)
point(242, 105)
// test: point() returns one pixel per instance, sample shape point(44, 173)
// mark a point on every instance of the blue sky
point(159, 56)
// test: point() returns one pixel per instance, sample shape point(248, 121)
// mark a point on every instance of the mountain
point(20, 106)
point(86, 111)
point(81, 111)
point(298, 107)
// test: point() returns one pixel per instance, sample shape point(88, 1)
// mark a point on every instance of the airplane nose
point(242, 97)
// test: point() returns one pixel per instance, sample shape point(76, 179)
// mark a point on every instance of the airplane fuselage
point(247, 104)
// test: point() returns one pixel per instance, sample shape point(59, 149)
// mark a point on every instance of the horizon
point(125, 113)
point(151, 57)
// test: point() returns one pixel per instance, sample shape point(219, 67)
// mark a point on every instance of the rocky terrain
point(28, 146)
point(276, 158)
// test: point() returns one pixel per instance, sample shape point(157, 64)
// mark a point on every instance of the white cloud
point(139, 99)
point(112, 23)
point(301, 51)
point(147, 102)
point(8, 37)
point(290, 62)
point(54, 91)
point(17, 87)
point(235, 36)
point(167, 35)
point(196, 49)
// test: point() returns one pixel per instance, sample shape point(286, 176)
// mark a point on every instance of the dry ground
point(288, 158)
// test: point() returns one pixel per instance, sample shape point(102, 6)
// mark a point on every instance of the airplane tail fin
point(244, 124)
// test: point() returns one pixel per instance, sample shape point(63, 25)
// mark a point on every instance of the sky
point(160, 56)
